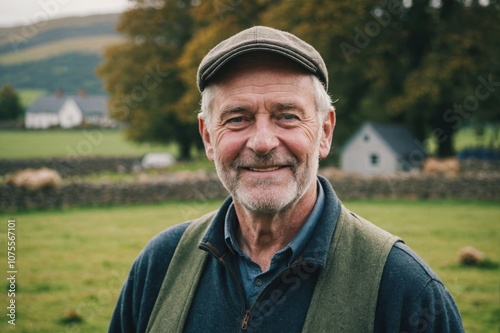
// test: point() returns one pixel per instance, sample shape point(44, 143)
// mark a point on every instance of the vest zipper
point(246, 317)
point(244, 323)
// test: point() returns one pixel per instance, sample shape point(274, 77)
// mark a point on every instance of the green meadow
point(72, 143)
point(71, 263)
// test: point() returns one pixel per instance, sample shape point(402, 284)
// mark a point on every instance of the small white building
point(68, 112)
point(157, 160)
point(382, 149)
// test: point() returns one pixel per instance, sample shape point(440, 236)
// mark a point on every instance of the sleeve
point(140, 290)
point(412, 299)
point(123, 319)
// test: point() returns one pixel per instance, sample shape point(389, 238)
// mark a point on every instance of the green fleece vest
point(345, 296)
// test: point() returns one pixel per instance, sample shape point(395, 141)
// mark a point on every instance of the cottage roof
point(401, 141)
point(47, 104)
point(91, 104)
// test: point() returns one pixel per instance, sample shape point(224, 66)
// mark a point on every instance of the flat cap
point(262, 39)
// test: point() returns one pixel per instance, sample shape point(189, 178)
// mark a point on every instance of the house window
point(374, 160)
point(366, 138)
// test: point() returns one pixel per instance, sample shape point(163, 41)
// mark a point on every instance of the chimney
point(82, 92)
point(59, 92)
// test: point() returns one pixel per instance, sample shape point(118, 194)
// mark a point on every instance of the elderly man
point(282, 254)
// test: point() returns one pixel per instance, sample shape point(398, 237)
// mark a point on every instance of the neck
point(261, 235)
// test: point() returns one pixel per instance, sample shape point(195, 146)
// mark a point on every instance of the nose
point(263, 138)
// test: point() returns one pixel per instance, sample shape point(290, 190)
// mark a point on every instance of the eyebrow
point(277, 107)
point(230, 110)
point(281, 107)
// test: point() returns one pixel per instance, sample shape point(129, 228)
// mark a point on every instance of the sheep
point(447, 166)
point(35, 179)
point(470, 256)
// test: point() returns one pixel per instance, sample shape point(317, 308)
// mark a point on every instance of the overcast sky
point(21, 12)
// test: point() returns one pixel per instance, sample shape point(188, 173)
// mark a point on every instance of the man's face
point(265, 136)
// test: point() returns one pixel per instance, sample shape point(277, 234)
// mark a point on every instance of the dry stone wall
point(73, 166)
point(86, 194)
point(348, 187)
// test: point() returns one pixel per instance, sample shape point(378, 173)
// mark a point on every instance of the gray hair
point(323, 101)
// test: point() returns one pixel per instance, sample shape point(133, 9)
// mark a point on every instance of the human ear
point(205, 136)
point(327, 134)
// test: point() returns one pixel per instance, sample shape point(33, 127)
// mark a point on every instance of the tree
point(10, 106)
point(143, 79)
point(455, 54)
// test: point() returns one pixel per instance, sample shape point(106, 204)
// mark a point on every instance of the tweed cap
point(262, 39)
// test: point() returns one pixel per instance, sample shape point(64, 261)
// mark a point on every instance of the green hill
point(61, 53)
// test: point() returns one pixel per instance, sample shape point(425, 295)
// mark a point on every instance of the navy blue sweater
point(411, 297)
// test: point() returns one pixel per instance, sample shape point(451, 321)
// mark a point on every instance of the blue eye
point(235, 120)
point(237, 123)
point(289, 117)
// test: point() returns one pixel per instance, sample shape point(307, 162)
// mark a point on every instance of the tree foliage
point(142, 75)
point(433, 66)
point(10, 105)
point(456, 53)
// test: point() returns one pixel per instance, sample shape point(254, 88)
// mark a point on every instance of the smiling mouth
point(263, 164)
point(266, 169)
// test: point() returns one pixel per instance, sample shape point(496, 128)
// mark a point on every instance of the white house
point(68, 111)
point(382, 149)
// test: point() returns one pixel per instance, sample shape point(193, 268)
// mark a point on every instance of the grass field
point(71, 143)
point(71, 263)
point(468, 137)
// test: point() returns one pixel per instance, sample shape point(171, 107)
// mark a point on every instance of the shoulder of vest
point(346, 294)
point(365, 228)
point(181, 280)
